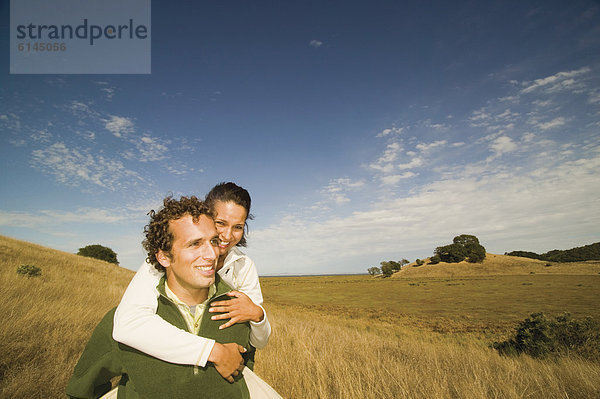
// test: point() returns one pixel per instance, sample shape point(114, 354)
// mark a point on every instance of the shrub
point(29, 270)
point(434, 260)
point(539, 336)
point(419, 262)
point(97, 251)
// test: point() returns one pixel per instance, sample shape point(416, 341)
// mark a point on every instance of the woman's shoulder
point(239, 258)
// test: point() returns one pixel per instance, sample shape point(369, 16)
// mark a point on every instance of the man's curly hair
point(157, 232)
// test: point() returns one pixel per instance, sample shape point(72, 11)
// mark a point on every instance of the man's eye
point(239, 227)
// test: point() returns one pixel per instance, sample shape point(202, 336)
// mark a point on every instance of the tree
point(396, 265)
point(97, 251)
point(465, 240)
point(452, 253)
point(386, 269)
point(374, 270)
point(463, 247)
point(474, 251)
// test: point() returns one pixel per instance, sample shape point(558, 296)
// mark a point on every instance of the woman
point(137, 325)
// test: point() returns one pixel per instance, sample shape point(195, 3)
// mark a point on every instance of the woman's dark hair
point(231, 192)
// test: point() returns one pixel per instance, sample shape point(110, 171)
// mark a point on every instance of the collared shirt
point(191, 314)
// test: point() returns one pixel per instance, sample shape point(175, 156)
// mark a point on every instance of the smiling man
point(182, 241)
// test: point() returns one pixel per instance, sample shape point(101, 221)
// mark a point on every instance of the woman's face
point(230, 219)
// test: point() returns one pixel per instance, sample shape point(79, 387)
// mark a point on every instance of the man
point(182, 238)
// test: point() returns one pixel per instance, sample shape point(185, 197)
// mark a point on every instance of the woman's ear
point(163, 258)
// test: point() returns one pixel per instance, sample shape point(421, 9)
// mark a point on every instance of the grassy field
point(419, 334)
point(453, 304)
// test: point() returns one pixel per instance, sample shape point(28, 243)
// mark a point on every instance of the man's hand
point(239, 309)
point(227, 359)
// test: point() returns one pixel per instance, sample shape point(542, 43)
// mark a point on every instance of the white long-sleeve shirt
point(136, 323)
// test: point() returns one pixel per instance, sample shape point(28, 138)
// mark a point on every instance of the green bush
point(97, 251)
point(29, 270)
point(540, 337)
point(434, 260)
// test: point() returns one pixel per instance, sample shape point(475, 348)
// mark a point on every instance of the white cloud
point(426, 147)
point(388, 131)
point(110, 92)
point(75, 166)
point(48, 218)
point(392, 180)
point(557, 122)
point(414, 163)
point(337, 189)
point(503, 145)
point(315, 43)
point(151, 149)
point(558, 82)
point(384, 162)
point(119, 125)
point(42, 136)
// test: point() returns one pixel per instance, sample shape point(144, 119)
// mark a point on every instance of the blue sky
point(364, 131)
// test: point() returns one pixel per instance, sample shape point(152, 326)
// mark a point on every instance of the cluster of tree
point(463, 247)
point(578, 254)
point(388, 267)
point(97, 251)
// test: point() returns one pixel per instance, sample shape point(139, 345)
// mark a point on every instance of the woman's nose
point(226, 235)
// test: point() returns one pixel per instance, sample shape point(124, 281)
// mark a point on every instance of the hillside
point(333, 336)
point(494, 265)
point(48, 319)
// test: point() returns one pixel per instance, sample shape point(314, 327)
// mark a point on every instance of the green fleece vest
point(147, 377)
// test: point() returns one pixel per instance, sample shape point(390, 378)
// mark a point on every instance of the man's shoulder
point(105, 326)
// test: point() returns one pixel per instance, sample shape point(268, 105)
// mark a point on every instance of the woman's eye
point(214, 242)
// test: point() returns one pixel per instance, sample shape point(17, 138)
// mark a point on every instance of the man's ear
point(163, 258)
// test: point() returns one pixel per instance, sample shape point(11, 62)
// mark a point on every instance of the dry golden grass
point(323, 356)
point(497, 265)
point(333, 347)
point(47, 320)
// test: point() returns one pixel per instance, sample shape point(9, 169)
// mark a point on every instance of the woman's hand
point(238, 309)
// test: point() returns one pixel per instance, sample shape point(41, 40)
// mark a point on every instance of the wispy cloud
point(337, 189)
point(556, 122)
point(74, 166)
point(46, 218)
point(119, 125)
point(557, 82)
point(315, 43)
point(390, 131)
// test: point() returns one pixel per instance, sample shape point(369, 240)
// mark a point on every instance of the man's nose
point(211, 252)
